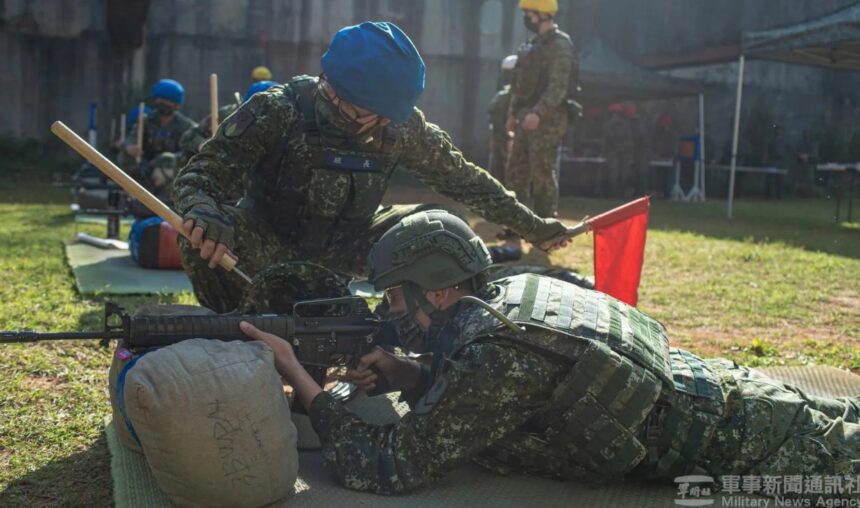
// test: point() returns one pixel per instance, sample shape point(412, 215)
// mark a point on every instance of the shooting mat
point(112, 272)
point(134, 485)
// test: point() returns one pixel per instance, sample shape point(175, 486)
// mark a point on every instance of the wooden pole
point(213, 102)
point(130, 185)
point(738, 98)
point(238, 97)
point(141, 118)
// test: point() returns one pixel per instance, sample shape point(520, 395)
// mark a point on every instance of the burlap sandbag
point(123, 356)
point(214, 423)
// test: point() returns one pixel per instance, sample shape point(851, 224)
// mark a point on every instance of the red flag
point(619, 246)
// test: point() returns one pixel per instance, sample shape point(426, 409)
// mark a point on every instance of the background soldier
point(543, 78)
point(313, 159)
point(163, 127)
point(543, 377)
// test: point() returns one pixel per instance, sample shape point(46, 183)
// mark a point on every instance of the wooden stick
point(213, 102)
point(238, 97)
point(129, 185)
point(141, 117)
point(122, 131)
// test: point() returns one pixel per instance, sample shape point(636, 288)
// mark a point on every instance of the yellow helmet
point(548, 6)
point(261, 73)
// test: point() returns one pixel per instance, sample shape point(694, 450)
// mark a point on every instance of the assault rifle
point(324, 333)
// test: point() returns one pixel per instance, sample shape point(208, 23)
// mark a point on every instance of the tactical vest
point(622, 369)
point(531, 74)
point(326, 184)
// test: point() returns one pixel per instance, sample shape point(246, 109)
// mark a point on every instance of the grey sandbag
point(122, 357)
point(214, 423)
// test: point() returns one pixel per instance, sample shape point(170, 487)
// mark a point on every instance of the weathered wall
point(56, 56)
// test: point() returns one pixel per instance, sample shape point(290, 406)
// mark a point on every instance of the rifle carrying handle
point(157, 331)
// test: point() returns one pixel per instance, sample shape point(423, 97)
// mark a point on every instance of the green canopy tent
point(605, 76)
point(831, 41)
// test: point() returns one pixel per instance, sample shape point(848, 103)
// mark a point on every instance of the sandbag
point(123, 356)
point(213, 422)
point(152, 243)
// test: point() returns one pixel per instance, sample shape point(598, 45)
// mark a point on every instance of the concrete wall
point(56, 55)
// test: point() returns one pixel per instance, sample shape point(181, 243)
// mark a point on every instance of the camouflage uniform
point(590, 391)
point(618, 135)
point(195, 136)
point(498, 112)
point(313, 192)
point(546, 65)
point(157, 139)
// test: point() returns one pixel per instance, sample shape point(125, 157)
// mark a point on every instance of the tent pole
point(737, 130)
point(702, 140)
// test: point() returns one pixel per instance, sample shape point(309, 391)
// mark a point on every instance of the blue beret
point(169, 89)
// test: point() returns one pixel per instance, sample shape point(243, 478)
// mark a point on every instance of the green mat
point(134, 485)
point(112, 272)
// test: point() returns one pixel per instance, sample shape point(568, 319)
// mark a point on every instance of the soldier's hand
point(285, 358)
point(530, 122)
point(210, 231)
point(380, 371)
point(510, 126)
point(548, 235)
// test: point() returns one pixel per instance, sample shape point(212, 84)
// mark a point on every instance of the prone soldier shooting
point(277, 204)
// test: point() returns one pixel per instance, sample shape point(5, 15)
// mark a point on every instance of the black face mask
point(163, 109)
point(329, 113)
point(531, 26)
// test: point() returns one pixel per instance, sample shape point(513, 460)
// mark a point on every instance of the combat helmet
point(431, 250)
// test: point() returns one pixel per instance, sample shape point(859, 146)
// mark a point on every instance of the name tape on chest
point(350, 163)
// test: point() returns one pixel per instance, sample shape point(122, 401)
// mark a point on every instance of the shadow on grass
point(81, 479)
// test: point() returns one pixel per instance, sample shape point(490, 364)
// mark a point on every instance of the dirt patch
point(848, 301)
point(45, 383)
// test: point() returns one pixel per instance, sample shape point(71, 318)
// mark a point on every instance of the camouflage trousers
point(531, 170)
point(260, 247)
point(770, 428)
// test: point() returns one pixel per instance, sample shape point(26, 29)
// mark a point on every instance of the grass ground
point(778, 284)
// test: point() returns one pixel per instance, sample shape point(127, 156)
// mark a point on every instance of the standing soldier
point(500, 138)
point(313, 158)
point(545, 74)
point(163, 127)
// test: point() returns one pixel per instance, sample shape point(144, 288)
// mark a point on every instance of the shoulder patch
point(239, 123)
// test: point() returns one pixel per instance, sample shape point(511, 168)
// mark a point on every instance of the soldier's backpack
point(153, 244)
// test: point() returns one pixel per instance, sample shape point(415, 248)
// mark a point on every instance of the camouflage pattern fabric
point(492, 399)
point(195, 136)
point(531, 169)
point(313, 189)
point(545, 73)
point(261, 249)
point(265, 143)
point(157, 138)
point(498, 114)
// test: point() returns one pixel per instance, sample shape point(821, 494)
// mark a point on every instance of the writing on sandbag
point(226, 431)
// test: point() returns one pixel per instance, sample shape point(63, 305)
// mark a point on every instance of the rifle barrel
point(27, 336)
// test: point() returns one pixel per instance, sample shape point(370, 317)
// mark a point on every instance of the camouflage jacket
point(546, 72)
point(530, 401)
point(158, 139)
point(298, 171)
point(194, 137)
